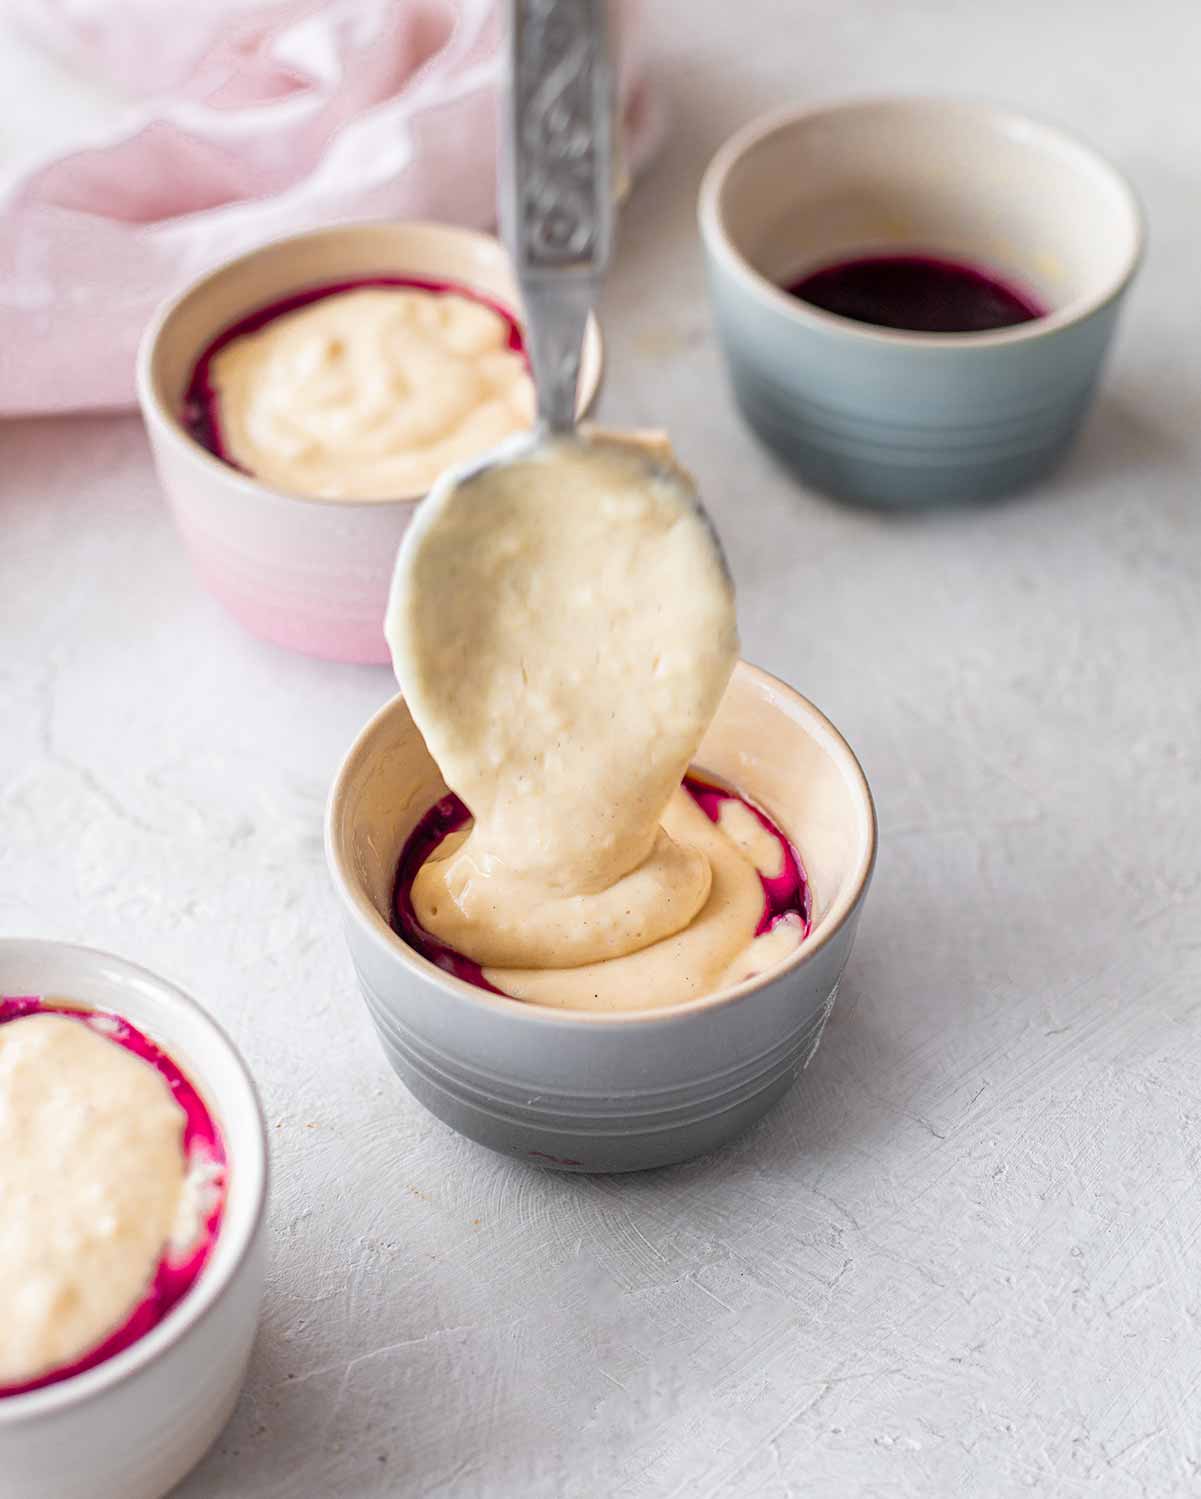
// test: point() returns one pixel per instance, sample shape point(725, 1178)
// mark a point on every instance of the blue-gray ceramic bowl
point(899, 418)
point(584, 1090)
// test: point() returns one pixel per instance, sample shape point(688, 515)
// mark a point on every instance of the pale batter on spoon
point(563, 627)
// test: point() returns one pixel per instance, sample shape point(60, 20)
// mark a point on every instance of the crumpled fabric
point(250, 121)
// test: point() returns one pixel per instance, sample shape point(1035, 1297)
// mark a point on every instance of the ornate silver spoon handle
point(557, 183)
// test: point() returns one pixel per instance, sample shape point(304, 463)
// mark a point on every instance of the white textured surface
point(963, 1259)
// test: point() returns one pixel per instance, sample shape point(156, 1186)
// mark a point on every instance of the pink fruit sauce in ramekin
point(784, 894)
point(202, 1141)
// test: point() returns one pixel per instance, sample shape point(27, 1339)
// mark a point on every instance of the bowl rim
point(369, 921)
point(737, 147)
point(156, 412)
point(253, 1164)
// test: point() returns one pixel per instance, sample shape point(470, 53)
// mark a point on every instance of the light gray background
point(963, 1259)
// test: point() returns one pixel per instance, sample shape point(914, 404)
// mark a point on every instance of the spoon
point(557, 192)
point(556, 199)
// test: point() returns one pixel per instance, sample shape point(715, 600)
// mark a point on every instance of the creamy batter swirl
point(96, 1190)
point(369, 393)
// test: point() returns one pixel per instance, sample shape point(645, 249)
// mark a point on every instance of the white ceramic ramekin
point(131, 1427)
point(894, 417)
point(609, 1092)
point(309, 574)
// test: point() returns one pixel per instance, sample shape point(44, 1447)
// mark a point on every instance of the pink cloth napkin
point(256, 120)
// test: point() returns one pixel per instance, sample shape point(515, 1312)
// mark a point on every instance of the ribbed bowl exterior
point(582, 1097)
point(901, 424)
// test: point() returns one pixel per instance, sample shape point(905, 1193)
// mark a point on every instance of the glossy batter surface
point(369, 392)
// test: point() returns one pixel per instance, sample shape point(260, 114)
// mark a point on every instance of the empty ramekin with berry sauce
point(300, 401)
point(133, 1172)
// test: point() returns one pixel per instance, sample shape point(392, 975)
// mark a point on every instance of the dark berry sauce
point(200, 415)
point(917, 293)
point(784, 894)
point(201, 1142)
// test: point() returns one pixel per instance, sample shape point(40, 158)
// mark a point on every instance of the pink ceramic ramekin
point(311, 575)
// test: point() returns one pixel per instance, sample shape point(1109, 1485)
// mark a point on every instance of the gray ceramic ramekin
point(586, 1091)
point(910, 419)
